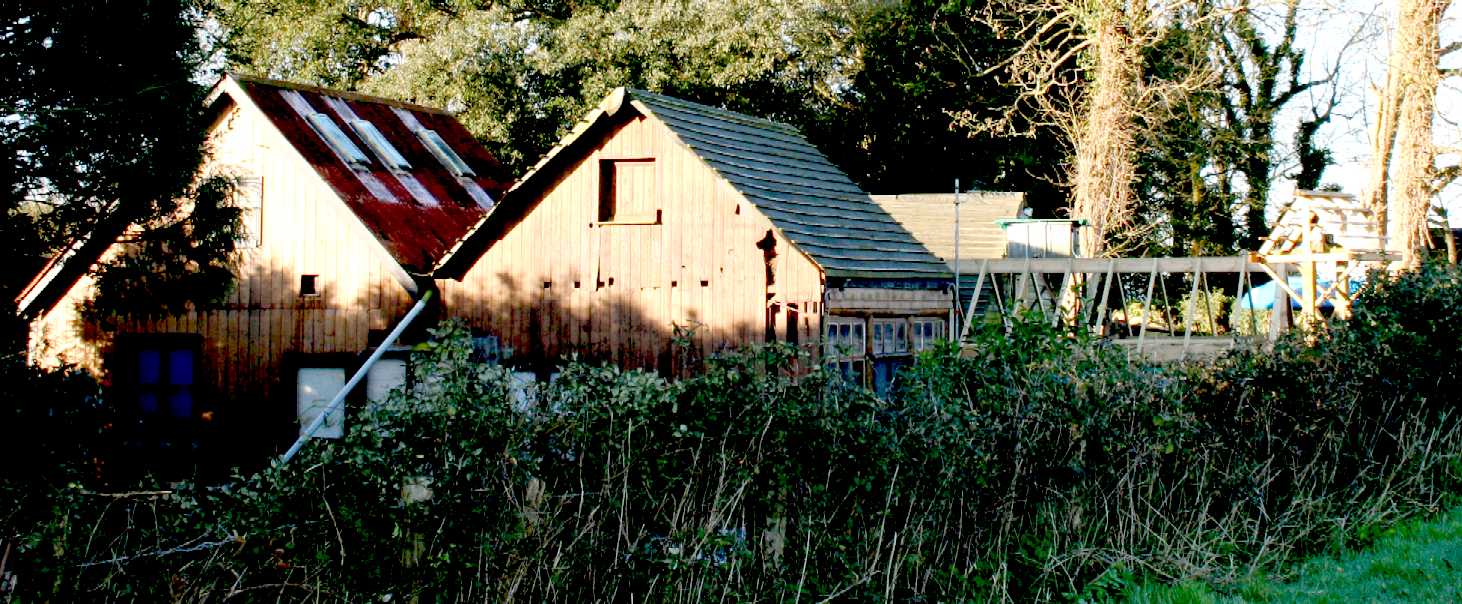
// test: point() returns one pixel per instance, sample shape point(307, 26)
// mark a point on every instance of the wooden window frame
point(850, 344)
point(609, 212)
point(125, 365)
point(249, 199)
point(892, 343)
point(917, 342)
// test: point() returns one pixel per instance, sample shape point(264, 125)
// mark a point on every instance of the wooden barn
point(349, 203)
point(658, 218)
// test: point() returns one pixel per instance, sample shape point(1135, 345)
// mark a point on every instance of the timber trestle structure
point(1132, 301)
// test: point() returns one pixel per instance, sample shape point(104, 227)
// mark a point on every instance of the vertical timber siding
point(560, 282)
point(306, 230)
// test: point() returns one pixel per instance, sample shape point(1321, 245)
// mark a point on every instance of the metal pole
point(355, 379)
point(958, 300)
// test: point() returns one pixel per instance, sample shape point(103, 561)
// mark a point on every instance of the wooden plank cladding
point(695, 257)
point(321, 266)
point(656, 221)
point(887, 301)
point(656, 216)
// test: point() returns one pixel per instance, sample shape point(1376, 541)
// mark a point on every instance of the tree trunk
point(1383, 140)
point(1102, 184)
point(1417, 47)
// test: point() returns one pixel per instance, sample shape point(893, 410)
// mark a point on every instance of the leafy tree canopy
point(869, 82)
point(101, 125)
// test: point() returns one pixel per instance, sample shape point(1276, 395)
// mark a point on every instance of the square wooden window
point(925, 332)
point(159, 374)
point(890, 336)
point(845, 338)
point(627, 191)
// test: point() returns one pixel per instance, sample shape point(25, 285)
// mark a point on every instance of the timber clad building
point(656, 213)
point(654, 220)
point(348, 204)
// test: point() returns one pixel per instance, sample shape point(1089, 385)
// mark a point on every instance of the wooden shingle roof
point(813, 203)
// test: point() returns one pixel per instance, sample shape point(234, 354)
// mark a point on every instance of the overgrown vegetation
point(1044, 467)
point(1411, 562)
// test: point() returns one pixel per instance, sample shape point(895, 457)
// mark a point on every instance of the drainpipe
point(355, 380)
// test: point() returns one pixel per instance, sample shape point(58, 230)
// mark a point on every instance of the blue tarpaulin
point(1261, 297)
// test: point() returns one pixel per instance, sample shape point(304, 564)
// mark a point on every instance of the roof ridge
point(335, 92)
point(679, 103)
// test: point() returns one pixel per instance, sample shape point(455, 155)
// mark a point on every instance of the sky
point(1353, 34)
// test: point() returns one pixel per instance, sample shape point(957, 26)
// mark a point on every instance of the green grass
point(1418, 561)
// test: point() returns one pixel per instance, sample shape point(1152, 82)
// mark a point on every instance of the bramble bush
point(1036, 464)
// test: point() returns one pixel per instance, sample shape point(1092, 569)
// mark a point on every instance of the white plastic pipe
point(355, 379)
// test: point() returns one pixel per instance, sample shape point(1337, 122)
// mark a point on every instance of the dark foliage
point(1042, 466)
point(101, 124)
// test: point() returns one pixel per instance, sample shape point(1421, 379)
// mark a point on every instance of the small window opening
point(674, 283)
point(576, 285)
point(705, 283)
point(738, 209)
point(309, 285)
point(547, 284)
point(627, 191)
point(611, 281)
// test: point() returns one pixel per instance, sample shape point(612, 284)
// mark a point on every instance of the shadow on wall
point(625, 325)
point(215, 385)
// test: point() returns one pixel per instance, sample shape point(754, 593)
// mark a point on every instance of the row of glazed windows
point(848, 338)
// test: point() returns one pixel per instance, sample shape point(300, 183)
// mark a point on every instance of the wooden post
point(1314, 243)
point(1279, 314)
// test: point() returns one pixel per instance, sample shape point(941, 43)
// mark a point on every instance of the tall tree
point(922, 61)
point(101, 124)
point(1260, 77)
point(1415, 75)
point(1079, 65)
point(519, 73)
point(1184, 186)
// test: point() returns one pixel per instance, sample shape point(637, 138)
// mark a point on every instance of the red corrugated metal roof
point(417, 234)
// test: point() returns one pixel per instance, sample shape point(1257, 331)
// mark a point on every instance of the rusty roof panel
point(417, 234)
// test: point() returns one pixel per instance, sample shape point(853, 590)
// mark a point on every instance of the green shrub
point(1206, 311)
point(1250, 322)
point(1035, 465)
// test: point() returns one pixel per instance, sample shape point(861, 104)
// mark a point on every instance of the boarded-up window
point(315, 387)
point(627, 191)
point(386, 375)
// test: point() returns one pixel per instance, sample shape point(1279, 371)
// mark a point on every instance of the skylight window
point(338, 141)
point(378, 143)
point(444, 152)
